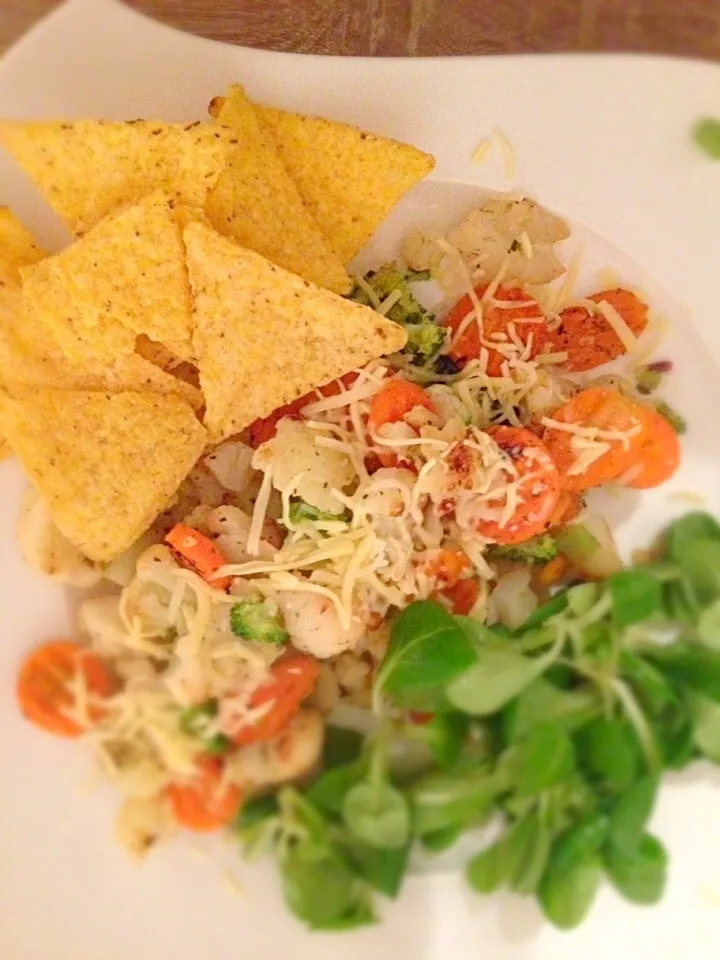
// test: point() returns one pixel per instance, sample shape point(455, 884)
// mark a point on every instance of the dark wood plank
point(427, 27)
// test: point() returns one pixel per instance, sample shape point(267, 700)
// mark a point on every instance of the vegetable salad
point(423, 518)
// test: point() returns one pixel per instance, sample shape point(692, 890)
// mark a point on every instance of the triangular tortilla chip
point(264, 337)
point(89, 168)
point(350, 180)
point(17, 246)
point(29, 355)
point(17, 249)
point(127, 276)
point(257, 204)
point(105, 464)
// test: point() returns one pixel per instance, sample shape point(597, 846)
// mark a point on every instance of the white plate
point(605, 141)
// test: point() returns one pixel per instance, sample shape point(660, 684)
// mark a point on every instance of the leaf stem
point(637, 719)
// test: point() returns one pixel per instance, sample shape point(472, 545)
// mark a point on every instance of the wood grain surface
point(427, 27)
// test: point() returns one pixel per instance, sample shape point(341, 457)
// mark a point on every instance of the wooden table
point(428, 27)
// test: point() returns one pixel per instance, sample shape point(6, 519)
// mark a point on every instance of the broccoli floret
point(425, 339)
point(538, 550)
point(425, 336)
point(251, 620)
point(194, 722)
point(299, 511)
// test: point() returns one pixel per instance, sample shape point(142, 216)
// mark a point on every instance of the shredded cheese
point(259, 514)
point(482, 151)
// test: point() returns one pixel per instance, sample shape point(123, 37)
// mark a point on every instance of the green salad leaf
point(556, 736)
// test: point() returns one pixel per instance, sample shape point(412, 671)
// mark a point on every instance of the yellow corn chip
point(89, 168)
point(350, 180)
point(127, 276)
point(17, 247)
point(264, 337)
point(255, 202)
point(29, 355)
point(105, 464)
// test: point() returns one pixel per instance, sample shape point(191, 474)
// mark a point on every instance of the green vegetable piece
point(676, 421)
point(708, 626)
point(691, 666)
point(255, 811)
point(299, 511)
point(666, 707)
point(537, 550)
point(194, 720)
point(378, 814)
point(700, 564)
point(391, 277)
point(342, 745)
point(488, 871)
point(576, 542)
point(706, 134)
point(384, 870)
point(582, 598)
point(554, 606)
point(444, 800)
point(648, 380)
point(566, 897)
point(631, 814)
point(691, 527)
point(610, 752)
point(329, 791)
point(706, 732)
point(498, 675)
point(579, 842)
point(545, 758)
point(543, 702)
point(218, 745)
point(427, 650)
point(441, 840)
point(639, 875)
point(425, 336)
point(528, 854)
point(425, 340)
point(445, 736)
point(321, 890)
point(251, 620)
point(636, 596)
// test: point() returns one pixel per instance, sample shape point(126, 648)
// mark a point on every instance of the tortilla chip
point(350, 180)
point(264, 337)
point(105, 464)
point(17, 246)
point(127, 276)
point(89, 168)
point(257, 204)
point(29, 355)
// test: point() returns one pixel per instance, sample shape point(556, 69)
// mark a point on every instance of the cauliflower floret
point(520, 232)
point(99, 618)
point(47, 550)
point(141, 822)
point(230, 526)
point(230, 464)
point(387, 493)
point(293, 451)
point(313, 624)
